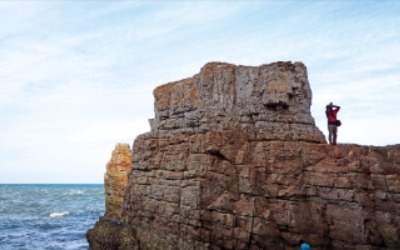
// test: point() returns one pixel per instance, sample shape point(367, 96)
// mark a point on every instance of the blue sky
point(76, 77)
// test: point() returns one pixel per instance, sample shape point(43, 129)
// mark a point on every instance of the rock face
point(270, 102)
point(234, 161)
point(116, 179)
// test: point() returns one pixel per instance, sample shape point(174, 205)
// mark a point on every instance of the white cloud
point(77, 77)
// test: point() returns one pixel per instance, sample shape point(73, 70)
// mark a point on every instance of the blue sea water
point(44, 216)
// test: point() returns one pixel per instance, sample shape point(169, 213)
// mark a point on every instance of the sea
point(48, 216)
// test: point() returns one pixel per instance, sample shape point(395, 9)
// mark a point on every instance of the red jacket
point(331, 114)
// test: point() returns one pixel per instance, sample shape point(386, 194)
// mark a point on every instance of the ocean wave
point(59, 214)
point(48, 217)
point(74, 192)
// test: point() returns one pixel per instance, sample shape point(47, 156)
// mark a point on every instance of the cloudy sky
point(76, 77)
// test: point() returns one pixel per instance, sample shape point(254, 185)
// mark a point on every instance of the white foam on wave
point(58, 215)
point(74, 192)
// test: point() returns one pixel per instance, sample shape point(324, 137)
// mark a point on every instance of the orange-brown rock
point(270, 102)
point(116, 179)
point(234, 161)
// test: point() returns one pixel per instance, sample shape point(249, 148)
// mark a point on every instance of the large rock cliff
point(234, 161)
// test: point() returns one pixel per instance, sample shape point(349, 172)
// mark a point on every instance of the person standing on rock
point(331, 114)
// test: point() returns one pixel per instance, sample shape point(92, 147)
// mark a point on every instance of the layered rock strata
point(234, 161)
point(270, 102)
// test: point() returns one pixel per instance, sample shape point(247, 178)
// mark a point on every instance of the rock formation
point(234, 161)
point(116, 179)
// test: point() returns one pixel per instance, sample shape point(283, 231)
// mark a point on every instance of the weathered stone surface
point(110, 234)
point(116, 179)
point(270, 102)
point(235, 161)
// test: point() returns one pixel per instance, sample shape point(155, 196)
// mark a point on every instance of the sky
point(77, 76)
